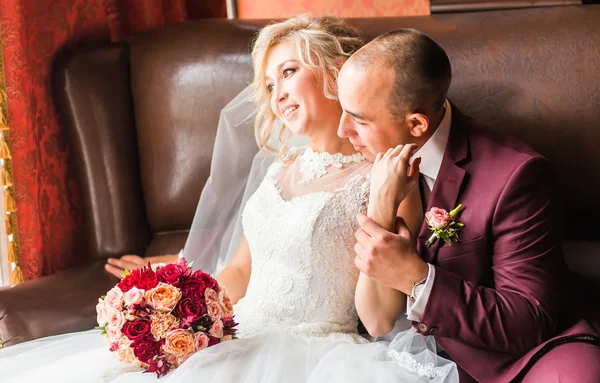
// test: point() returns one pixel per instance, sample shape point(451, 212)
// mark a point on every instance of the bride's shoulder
point(284, 160)
point(291, 153)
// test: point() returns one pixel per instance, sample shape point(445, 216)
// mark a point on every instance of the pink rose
point(114, 298)
point(217, 329)
point(211, 296)
point(438, 218)
point(114, 334)
point(225, 303)
point(214, 310)
point(116, 319)
point(200, 340)
point(134, 296)
point(102, 313)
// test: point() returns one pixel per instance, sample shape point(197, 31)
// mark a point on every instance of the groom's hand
point(389, 258)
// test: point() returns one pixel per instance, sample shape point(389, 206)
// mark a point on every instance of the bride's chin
point(297, 130)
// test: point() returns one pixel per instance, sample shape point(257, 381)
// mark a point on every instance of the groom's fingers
point(369, 226)
point(361, 236)
point(402, 229)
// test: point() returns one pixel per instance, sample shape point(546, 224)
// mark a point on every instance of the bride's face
point(296, 92)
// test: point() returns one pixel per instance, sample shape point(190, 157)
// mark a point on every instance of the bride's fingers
point(131, 258)
point(397, 150)
point(415, 168)
point(407, 152)
point(116, 272)
point(122, 264)
point(378, 158)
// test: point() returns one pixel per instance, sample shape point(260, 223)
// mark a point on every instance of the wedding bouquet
point(159, 315)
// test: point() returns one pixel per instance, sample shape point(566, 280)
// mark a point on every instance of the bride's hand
point(116, 266)
point(392, 178)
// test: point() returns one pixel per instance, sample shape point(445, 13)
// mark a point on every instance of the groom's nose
point(345, 129)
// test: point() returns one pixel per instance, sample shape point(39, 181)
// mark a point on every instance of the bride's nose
point(280, 93)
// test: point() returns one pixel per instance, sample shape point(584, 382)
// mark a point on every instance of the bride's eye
point(288, 72)
point(269, 88)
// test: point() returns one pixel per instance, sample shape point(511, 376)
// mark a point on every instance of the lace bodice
point(303, 275)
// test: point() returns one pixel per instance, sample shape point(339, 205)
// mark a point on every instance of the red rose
point(145, 348)
point(137, 328)
point(189, 309)
point(171, 274)
point(128, 282)
point(208, 280)
point(193, 288)
point(147, 279)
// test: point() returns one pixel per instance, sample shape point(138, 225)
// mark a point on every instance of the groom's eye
point(360, 123)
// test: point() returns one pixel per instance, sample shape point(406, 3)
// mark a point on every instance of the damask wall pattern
point(45, 190)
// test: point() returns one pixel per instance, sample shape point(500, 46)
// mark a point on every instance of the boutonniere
point(443, 225)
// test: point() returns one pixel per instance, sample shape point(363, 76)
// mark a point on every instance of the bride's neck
point(325, 139)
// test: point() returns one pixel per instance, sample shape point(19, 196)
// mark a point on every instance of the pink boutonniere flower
point(443, 225)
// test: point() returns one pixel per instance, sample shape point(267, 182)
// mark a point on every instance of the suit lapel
point(448, 182)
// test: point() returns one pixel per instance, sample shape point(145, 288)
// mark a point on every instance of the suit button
point(433, 330)
point(422, 327)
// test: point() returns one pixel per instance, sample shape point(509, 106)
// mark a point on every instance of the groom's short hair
point(422, 70)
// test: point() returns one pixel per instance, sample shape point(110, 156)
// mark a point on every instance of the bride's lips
point(291, 115)
point(358, 148)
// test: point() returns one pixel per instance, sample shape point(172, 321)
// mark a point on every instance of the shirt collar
point(432, 153)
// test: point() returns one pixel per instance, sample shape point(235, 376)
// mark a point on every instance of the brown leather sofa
point(142, 118)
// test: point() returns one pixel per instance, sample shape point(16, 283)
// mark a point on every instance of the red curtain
point(32, 32)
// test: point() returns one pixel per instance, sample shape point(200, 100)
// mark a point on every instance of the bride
point(297, 291)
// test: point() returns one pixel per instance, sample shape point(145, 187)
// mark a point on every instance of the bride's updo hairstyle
point(321, 42)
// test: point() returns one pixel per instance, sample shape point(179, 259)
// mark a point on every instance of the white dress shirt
point(432, 154)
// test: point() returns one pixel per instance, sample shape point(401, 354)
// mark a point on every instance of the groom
point(497, 295)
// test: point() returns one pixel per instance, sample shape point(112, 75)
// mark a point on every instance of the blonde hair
point(320, 41)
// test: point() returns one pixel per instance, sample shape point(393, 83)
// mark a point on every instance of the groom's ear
point(418, 124)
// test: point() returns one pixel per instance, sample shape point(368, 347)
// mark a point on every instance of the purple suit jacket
point(500, 291)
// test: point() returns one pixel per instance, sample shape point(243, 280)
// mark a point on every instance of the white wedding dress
point(297, 322)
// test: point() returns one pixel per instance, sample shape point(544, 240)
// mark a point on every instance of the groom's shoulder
point(492, 145)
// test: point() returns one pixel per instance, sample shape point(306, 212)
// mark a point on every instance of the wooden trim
point(442, 6)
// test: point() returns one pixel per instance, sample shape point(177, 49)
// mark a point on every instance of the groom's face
point(366, 119)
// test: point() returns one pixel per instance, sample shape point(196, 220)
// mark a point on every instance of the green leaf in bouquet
point(103, 297)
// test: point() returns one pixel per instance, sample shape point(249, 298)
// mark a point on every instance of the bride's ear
point(418, 124)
